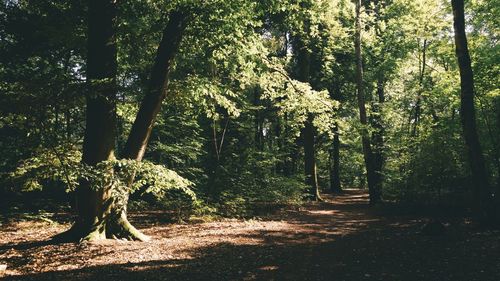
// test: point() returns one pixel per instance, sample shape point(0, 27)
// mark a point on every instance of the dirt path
point(340, 239)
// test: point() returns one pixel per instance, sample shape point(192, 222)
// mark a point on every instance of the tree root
point(112, 227)
point(121, 228)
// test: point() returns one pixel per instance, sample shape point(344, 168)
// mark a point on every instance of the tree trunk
point(310, 159)
point(308, 132)
point(258, 121)
point(137, 141)
point(418, 102)
point(67, 116)
point(335, 185)
point(100, 130)
point(97, 209)
point(373, 187)
point(100, 214)
point(378, 133)
point(157, 90)
point(291, 156)
point(467, 113)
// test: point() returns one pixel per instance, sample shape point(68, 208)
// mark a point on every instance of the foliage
point(56, 164)
point(231, 124)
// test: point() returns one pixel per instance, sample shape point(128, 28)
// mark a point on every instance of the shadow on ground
point(335, 240)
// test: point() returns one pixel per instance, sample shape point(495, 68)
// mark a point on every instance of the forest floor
point(342, 238)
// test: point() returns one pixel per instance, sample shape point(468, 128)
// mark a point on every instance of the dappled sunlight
point(314, 224)
point(319, 239)
point(323, 212)
point(249, 140)
point(318, 223)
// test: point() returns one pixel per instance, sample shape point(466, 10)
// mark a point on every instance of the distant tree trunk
point(373, 186)
point(310, 159)
point(258, 122)
point(67, 116)
point(418, 102)
point(335, 185)
point(334, 157)
point(280, 143)
point(292, 149)
point(308, 132)
point(468, 115)
point(378, 133)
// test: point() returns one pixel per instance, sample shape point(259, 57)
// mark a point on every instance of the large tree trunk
point(467, 114)
point(308, 132)
point(97, 210)
point(373, 186)
point(100, 130)
point(100, 214)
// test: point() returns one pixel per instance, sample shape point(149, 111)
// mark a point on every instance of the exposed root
point(113, 227)
point(93, 236)
point(122, 229)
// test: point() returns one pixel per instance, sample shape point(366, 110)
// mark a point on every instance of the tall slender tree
point(378, 134)
point(308, 132)
point(335, 185)
point(373, 184)
point(480, 177)
point(158, 83)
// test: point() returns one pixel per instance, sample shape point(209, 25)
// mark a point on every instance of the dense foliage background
point(230, 134)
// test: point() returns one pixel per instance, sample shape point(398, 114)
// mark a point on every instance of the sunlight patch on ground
point(323, 212)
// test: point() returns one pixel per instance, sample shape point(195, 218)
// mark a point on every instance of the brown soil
point(339, 239)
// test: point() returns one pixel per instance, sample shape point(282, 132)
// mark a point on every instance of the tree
point(335, 185)
point(373, 183)
point(480, 177)
point(101, 212)
point(308, 132)
point(157, 91)
point(93, 204)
